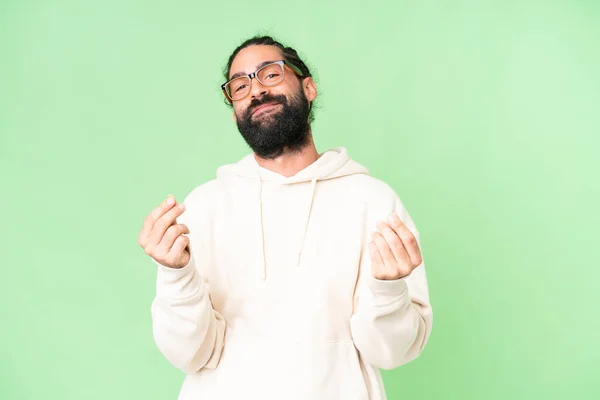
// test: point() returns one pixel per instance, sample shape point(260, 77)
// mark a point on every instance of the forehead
point(250, 57)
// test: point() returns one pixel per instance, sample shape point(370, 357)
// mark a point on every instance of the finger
point(381, 269)
point(172, 233)
point(375, 255)
point(180, 245)
point(163, 223)
point(177, 257)
point(394, 242)
point(151, 218)
point(408, 239)
point(377, 264)
point(389, 260)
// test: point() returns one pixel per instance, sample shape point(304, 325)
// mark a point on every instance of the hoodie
point(277, 300)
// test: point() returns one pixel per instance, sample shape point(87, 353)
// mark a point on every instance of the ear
point(310, 88)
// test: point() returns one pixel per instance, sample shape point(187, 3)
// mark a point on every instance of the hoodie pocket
point(272, 370)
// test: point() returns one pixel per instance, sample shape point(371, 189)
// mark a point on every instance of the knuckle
point(159, 225)
point(171, 230)
point(395, 223)
point(182, 245)
point(160, 253)
point(407, 238)
point(176, 211)
point(394, 240)
point(181, 228)
point(176, 240)
point(163, 225)
point(148, 250)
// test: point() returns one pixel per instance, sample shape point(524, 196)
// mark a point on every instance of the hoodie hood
point(332, 164)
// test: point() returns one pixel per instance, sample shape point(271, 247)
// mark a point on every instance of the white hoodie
point(278, 301)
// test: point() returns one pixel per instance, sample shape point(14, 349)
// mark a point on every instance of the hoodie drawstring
point(312, 196)
point(263, 261)
point(332, 164)
point(263, 264)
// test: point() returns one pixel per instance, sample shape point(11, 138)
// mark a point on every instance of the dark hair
point(289, 54)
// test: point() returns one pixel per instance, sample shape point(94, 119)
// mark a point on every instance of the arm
point(186, 328)
point(393, 318)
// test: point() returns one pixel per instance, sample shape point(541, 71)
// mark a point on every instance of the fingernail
point(182, 206)
point(393, 217)
point(170, 200)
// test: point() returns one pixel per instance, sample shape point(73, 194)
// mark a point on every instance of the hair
point(289, 54)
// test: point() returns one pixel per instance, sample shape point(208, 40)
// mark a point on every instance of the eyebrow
point(238, 74)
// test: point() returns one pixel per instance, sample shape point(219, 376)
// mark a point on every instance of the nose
point(257, 89)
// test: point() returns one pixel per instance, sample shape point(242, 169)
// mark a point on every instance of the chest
point(296, 262)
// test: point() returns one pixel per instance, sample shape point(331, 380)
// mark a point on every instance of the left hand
point(394, 250)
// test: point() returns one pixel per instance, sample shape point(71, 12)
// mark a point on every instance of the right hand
point(162, 238)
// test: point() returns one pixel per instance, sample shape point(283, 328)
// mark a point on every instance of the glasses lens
point(238, 87)
point(270, 75)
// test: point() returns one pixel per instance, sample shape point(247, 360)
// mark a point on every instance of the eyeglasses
point(269, 75)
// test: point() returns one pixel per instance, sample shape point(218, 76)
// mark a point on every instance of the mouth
point(263, 108)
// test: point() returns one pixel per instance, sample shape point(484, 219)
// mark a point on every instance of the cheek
point(239, 109)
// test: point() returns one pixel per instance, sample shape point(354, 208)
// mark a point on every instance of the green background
point(483, 115)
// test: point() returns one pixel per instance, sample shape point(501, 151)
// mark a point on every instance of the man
point(293, 274)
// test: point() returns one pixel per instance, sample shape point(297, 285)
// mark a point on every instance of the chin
point(268, 113)
point(266, 118)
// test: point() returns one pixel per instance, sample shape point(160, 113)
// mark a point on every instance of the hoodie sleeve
point(392, 320)
point(186, 328)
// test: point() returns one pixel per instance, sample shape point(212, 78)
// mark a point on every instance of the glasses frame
point(254, 74)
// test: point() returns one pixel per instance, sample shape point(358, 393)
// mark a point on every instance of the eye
point(240, 88)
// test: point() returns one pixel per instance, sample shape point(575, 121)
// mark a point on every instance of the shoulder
point(378, 199)
point(201, 200)
point(373, 191)
point(203, 192)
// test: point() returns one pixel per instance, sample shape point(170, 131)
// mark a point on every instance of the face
point(272, 119)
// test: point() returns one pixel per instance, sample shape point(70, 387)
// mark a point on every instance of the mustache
point(263, 100)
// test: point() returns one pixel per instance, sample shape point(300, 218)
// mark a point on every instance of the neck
point(290, 163)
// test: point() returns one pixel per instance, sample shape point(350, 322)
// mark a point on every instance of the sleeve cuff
point(387, 292)
point(177, 283)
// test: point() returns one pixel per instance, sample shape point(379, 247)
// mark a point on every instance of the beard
point(273, 132)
